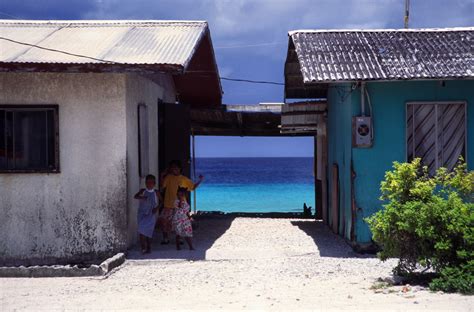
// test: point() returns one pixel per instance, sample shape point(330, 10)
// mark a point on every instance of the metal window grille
point(29, 138)
point(436, 133)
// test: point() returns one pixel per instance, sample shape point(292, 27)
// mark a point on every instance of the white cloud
point(225, 71)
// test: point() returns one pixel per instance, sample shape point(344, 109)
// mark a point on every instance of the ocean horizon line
point(245, 157)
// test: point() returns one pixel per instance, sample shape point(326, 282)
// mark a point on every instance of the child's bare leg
point(143, 243)
point(165, 239)
point(178, 246)
point(148, 245)
point(190, 242)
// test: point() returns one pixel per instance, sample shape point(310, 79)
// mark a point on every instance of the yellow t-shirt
point(171, 184)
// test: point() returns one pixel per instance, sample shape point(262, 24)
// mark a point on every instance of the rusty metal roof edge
point(470, 28)
point(96, 63)
point(165, 68)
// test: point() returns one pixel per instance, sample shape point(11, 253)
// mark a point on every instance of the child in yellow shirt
point(171, 181)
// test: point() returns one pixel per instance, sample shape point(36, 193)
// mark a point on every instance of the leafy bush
point(428, 223)
point(455, 279)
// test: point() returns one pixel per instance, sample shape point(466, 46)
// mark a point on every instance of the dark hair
point(175, 163)
point(150, 177)
point(182, 190)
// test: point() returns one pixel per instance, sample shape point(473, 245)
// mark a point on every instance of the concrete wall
point(140, 90)
point(389, 104)
point(79, 213)
point(86, 211)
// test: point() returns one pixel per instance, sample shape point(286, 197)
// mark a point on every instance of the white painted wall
point(86, 211)
point(78, 213)
point(144, 91)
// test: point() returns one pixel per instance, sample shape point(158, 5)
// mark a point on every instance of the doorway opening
point(255, 174)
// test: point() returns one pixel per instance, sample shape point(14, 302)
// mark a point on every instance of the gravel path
point(241, 263)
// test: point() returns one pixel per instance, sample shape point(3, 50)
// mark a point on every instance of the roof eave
point(313, 83)
point(90, 67)
point(292, 32)
point(205, 34)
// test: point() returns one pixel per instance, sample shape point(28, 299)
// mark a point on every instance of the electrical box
point(362, 132)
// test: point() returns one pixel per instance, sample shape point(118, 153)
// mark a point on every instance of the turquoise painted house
point(392, 95)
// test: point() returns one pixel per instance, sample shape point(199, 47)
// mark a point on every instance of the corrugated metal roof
point(125, 42)
point(349, 55)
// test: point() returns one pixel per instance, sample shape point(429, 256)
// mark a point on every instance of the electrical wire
point(118, 63)
point(113, 62)
point(250, 45)
point(253, 81)
point(9, 15)
point(372, 134)
point(58, 51)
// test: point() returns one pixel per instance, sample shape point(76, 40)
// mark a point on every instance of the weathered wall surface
point(339, 127)
point(370, 164)
point(140, 90)
point(389, 104)
point(79, 213)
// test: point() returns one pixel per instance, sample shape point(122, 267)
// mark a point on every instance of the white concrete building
point(80, 104)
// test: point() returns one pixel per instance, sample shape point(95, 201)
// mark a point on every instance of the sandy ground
point(239, 264)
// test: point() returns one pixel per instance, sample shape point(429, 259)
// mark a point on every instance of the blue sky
point(250, 40)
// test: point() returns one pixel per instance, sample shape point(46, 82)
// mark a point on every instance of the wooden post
point(194, 169)
point(317, 179)
point(324, 176)
point(335, 198)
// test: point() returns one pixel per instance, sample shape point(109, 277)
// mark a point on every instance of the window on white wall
point(436, 133)
point(29, 138)
point(143, 143)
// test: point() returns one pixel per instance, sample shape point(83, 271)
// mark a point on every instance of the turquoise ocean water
point(255, 184)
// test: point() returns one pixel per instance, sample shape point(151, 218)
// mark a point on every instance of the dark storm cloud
point(236, 25)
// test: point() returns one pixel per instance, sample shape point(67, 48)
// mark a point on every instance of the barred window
point(29, 138)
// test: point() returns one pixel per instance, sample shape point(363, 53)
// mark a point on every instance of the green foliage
point(455, 279)
point(428, 223)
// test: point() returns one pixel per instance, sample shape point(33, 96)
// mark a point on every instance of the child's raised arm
point(139, 194)
point(201, 178)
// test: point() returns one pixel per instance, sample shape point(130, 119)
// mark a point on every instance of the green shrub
point(428, 223)
point(455, 279)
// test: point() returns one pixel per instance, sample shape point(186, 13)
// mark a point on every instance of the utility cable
point(113, 62)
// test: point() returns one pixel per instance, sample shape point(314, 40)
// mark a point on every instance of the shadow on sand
point(213, 226)
point(205, 235)
point(328, 243)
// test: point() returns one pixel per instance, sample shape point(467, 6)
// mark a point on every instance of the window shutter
point(436, 133)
